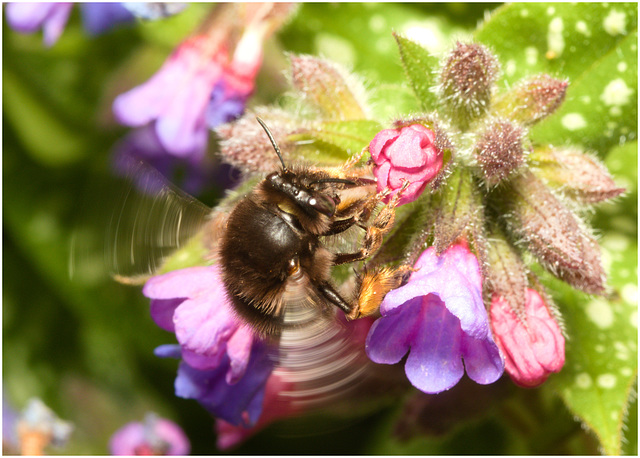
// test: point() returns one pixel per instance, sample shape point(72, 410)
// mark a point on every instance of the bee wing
point(140, 227)
point(153, 220)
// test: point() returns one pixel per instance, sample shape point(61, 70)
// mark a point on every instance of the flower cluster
point(225, 365)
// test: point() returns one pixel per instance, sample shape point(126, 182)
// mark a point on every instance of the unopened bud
point(532, 99)
point(246, 146)
point(532, 348)
point(578, 175)
point(506, 273)
point(554, 234)
point(467, 80)
point(500, 150)
point(328, 88)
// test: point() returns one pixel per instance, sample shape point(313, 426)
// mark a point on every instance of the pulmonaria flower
point(199, 87)
point(440, 319)
point(534, 347)
point(26, 17)
point(274, 408)
point(98, 18)
point(225, 365)
point(408, 154)
point(142, 144)
point(156, 436)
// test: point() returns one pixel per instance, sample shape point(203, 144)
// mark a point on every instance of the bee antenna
point(273, 142)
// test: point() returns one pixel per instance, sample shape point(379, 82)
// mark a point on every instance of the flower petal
point(162, 311)
point(434, 362)
point(389, 336)
point(184, 283)
point(482, 359)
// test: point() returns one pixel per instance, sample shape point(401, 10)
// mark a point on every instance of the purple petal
point(55, 23)
point(27, 17)
point(240, 403)
point(434, 363)
point(204, 325)
point(389, 336)
point(162, 311)
point(168, 351)
point(188, 282)
point(239, 351)
point(98, 18)
point(482, 359)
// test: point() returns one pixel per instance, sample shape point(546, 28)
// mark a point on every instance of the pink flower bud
point(532, 349)
point(408, 154)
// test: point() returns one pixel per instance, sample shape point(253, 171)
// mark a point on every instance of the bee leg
point(373, 237)
point(374, 287)
point(329, 293)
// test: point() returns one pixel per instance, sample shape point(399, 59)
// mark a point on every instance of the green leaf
point(421, 70)
point(601, 367)
point(594, 45)
point(391, 101)
point(340, 139)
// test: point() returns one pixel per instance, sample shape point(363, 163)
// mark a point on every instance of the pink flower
point(176, 97)
point(408, 154)
point(532, 349)
point(156, 436)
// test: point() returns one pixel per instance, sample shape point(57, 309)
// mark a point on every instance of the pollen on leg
point(375, 286)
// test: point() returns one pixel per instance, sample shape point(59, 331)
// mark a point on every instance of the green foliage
point(84, 343)
point(594, 45)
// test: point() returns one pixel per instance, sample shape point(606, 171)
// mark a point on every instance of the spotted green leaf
point(601, 366)
point(593, 45)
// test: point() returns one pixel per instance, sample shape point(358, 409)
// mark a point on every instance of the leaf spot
point(510, 67)
point(531, 55)
point(622, 66)
point(574, 121)
point(630, 294)
point(616, 93)
point(634, 319)
point(615, 23)
point(582, 28)
point(622, 351)
point(583, 381)
point(606, 381)
point(551, 11)
point(555, 40)
point(600, 313)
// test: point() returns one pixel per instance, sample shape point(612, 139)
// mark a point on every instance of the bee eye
point(294, 266)
point(323, 204)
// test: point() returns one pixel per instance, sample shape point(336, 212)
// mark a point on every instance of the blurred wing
point(153, 219)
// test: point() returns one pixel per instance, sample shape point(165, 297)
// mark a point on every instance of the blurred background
point(84, 345)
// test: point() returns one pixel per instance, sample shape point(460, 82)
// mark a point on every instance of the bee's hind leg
point(374, 286)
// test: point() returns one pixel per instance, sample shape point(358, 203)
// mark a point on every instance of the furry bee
point(272, 253)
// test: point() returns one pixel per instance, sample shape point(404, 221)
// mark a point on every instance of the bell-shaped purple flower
point(440, 319)
point(28, 17)
point(98, 18)
point(154, 436)
point(225, 365)
point(176, 97)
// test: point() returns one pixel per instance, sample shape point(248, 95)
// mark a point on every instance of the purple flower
point(30, 17)
point(200, 86)
point(143, 145)
point(440, 319)
point(225, 365)
point(156, 436)
point(98, 18)
point(154, 10)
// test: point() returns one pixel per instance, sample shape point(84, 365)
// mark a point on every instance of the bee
point(272, 253)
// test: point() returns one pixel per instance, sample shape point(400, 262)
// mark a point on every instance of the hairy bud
point(467, 79)
point(578, 175)
point(500, 150)
point(554, 234)
point(245, 145)
point(332, 91)
point(532, 99)
point(506, 273)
